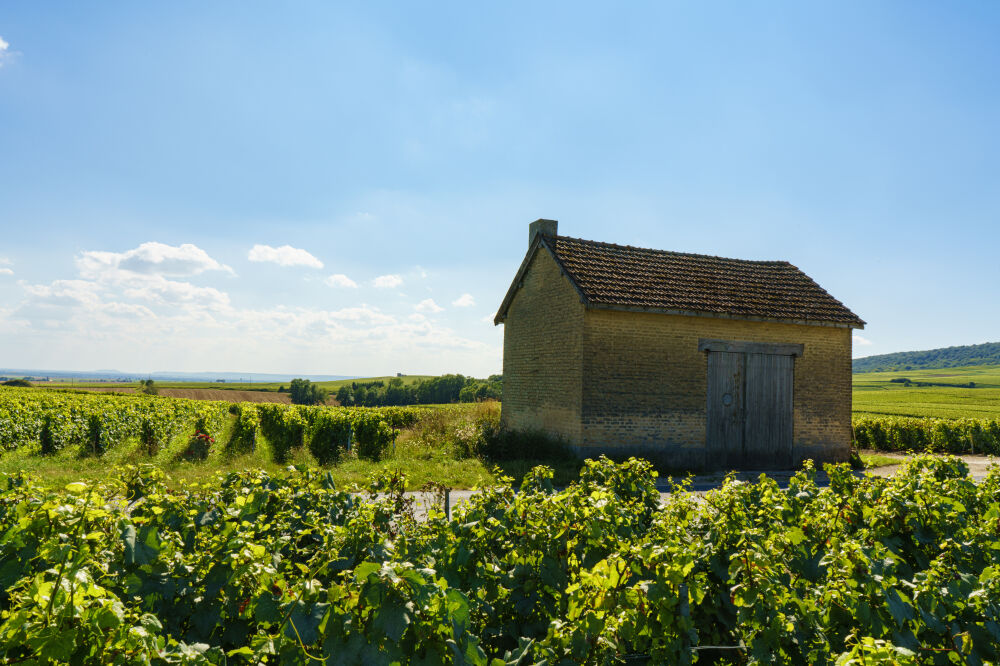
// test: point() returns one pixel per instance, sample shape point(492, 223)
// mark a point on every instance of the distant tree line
point(304, 392)
point(906, 381)
point(947, 357)
point(436, 390)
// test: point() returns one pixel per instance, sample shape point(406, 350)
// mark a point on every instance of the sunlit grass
point(873, 460)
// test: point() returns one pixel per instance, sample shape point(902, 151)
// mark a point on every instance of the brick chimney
point(544, 227)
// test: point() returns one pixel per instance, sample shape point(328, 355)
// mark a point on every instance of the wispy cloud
point(6, 271)
point(464, 301)
point(5, 51)
point(142, 274)
point(87, 317)
point(427, 305)
point(128, 309)
point(286, 255)
point(859, 340)
point(150, 259)
point(340, 280)
point(171, 292)
point(64, 293)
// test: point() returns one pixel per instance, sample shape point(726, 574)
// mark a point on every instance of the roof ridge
point(614, 275)
point(769, 262)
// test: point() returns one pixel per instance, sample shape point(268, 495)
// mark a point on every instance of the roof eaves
point(859, 324)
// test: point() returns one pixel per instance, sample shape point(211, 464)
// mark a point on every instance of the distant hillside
point(165, 376)
point(947, 357)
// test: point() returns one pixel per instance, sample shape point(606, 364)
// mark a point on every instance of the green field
point(946, 393)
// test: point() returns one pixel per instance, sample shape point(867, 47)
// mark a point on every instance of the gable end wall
point(542, 353)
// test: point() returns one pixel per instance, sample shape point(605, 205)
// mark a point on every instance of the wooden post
point(447, 503)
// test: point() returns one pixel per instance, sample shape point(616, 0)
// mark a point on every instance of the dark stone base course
point(681, 459)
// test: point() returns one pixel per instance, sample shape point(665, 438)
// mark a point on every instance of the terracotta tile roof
point(632, 277)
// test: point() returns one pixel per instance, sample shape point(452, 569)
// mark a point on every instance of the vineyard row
point(56, 420)
point(257, 569)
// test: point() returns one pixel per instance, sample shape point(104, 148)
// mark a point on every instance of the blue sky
point(385, 160)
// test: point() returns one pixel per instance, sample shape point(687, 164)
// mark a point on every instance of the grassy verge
point(872, 460)
point(420, 464)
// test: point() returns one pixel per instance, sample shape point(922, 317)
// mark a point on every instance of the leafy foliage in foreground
point(290, 570)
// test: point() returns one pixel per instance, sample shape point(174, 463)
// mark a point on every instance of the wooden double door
point(749, 404)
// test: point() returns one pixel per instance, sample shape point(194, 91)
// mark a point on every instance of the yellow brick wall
point(542, 353)
point(646, 383)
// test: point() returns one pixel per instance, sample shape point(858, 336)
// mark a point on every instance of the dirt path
point(703, 483)
point(978, 464)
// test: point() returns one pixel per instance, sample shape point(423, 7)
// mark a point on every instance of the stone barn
point(694, 361)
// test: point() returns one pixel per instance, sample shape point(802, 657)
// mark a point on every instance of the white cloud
point(859, 340)
point(128, 310)
point(464, 301)
point(76, 322)
point(6, 271)
point(140, 274)
point(427, 305)
point(125, 309)
point(150, 259)
point(489, 318)
point(69, 293)
point(157, 289)
point(286, 255)
point(340, 280)
point(4, 52)
point(363, 313)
